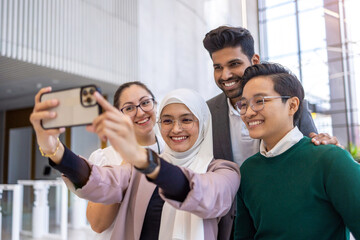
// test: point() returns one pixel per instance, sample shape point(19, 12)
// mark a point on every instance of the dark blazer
point(222, 142)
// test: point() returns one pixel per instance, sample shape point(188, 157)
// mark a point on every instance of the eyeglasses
point(145, 105)
point(184, 122)
point(256, 103)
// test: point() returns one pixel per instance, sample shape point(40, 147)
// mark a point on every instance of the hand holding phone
point(77, 106)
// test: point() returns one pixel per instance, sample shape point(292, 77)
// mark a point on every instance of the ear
point(294, 103)
point(255, 59)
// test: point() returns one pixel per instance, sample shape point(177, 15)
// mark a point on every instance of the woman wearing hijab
point(180, 194)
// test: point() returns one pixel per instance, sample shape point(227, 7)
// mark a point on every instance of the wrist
point(50, 153)
point(152, 162)
point(141, 159)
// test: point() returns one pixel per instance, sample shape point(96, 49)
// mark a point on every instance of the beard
point(233, 93)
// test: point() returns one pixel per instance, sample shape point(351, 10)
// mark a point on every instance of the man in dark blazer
point(232, 51)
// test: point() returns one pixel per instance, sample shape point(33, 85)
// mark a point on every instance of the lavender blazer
point(210, 197)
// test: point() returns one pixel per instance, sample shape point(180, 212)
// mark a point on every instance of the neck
point(146, 140)
point(271, 142)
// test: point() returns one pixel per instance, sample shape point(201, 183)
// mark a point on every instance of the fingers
point(112, 121)
point(312, 134)
point(43, 90)
point(103, 103)
point(46, 104)
point(320, 138)
point(37, 116)
point(324, 138)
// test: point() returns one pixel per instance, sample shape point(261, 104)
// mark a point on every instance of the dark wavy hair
point(126, 85)
point(225, 36)
point(285, 82)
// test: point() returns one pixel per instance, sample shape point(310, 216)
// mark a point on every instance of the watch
point(153, 160)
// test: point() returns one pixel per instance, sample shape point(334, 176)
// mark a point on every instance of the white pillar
point(16, 213)
point(58, 201)
point(38, 211)
point(45, 193)
point(64, 211)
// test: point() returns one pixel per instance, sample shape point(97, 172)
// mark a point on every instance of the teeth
point(229, 84)
point(143, 121)
point(254, 123)
point(179, 138)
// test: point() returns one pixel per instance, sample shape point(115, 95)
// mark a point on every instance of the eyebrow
point(142, 98)
point(256, 95)
point(235, 60)
point(182, 115)
point(229, 62)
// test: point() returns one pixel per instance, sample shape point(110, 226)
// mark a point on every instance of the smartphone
point(77, 106)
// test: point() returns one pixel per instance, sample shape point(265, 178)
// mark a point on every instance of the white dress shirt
point(289, 140)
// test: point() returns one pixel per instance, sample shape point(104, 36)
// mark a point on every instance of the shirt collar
point(289, 140)
point(232, 110)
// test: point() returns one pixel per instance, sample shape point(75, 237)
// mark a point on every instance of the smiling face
point(229, 65)
point(275, 120)
point(177, 138)
point(143, 121)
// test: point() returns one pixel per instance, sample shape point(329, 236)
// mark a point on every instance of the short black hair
point(126, 85)
point(225, 36)
point(285, 82)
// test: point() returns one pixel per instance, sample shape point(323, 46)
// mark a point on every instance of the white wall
point(171, 53)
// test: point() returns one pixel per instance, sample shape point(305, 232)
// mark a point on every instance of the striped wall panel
point(95, 39)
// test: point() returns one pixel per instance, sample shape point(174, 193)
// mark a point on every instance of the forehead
point(261, 85)
point(227, 54)
point(175, 109)
point(133, 94)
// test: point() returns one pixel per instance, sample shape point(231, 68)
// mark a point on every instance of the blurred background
point(68, 43)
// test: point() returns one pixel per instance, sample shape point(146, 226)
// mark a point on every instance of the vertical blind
point(96, 39)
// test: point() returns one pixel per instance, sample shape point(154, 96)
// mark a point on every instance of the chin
point(233, 93)
point(255, 135)
point(179, 148)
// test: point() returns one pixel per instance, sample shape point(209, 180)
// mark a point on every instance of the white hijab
point(177, 224)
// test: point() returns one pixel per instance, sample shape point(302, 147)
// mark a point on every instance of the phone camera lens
point(89, 100)
point(92, 91)
point(84, 92)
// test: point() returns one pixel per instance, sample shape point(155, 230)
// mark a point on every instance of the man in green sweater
point(291, 189)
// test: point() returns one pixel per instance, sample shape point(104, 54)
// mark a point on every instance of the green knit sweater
point(307, 192)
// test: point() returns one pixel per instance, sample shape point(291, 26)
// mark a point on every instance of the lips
point(230, 83)
point(179, 138)
point(143, 121)
point(255, 123)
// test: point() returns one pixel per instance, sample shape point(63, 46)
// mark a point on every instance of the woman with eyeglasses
point(136, 101)
point(180, 194)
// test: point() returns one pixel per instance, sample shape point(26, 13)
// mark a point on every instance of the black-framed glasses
point(256, 103)
point(184, 122)
point(145, 105)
